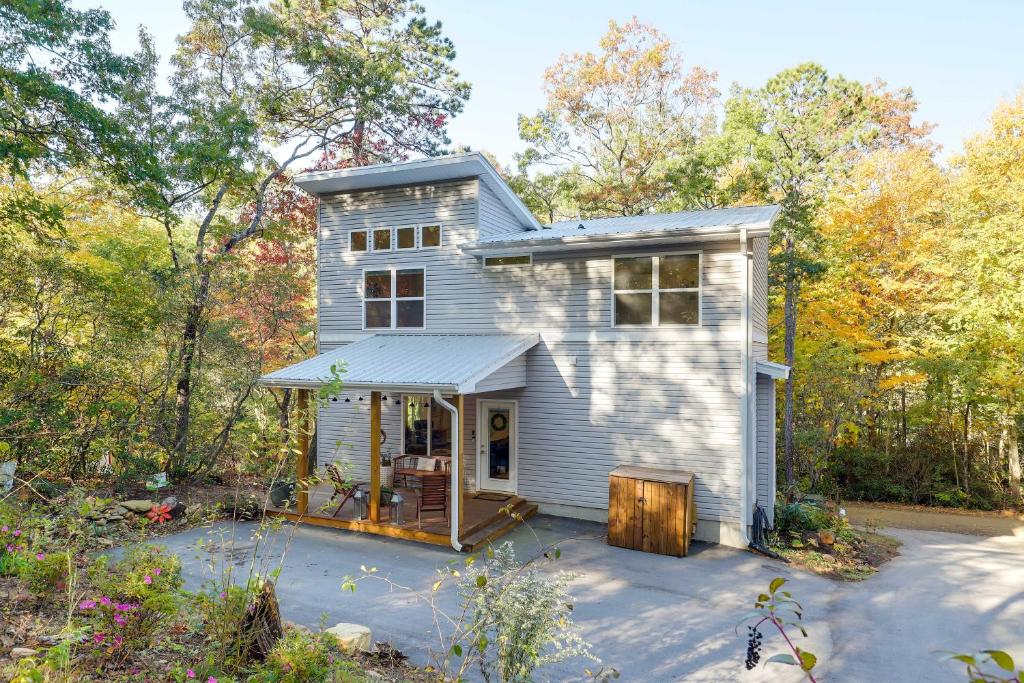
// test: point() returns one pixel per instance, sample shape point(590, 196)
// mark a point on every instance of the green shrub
point(44, 573)
point(303, 657)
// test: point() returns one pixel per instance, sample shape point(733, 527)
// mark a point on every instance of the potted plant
point(387, 470)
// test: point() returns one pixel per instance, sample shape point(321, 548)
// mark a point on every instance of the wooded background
point(156, 258)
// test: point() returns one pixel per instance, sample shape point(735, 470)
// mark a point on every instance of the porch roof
point(408, 362)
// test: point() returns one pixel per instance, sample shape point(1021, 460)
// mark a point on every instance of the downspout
point(745, 405)
point(456, 469)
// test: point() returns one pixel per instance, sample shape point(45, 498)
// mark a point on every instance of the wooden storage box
point(651, 510)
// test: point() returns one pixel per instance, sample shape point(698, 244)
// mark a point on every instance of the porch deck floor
point(477, 513)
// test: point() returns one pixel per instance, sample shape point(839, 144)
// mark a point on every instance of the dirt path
point(936, 519)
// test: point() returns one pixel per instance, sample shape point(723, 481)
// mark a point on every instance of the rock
point(176, 507)
point(139, 507)
point(351, 637)
point(826, 537)
point(22, 652)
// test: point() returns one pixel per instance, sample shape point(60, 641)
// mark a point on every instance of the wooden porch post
point(374, 456)
point(460, 403)
point(302, 466)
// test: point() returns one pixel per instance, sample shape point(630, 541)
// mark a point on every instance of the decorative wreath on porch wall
point(499, 422)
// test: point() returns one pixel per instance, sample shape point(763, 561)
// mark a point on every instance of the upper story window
point(402, 238)
point(394, 298)
point(656, 291)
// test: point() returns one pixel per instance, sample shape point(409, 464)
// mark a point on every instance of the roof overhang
point(773, 370)
point(541, 244)
point(414, 363)
point(418, 172)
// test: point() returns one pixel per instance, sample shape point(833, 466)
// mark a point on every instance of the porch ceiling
point(453, 363)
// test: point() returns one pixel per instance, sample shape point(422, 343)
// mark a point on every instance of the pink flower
point(40, 556)
point(190, 674)
point(5, 528)
point(17, 532)
point(10, 548)
point(118, 640)
point(105, 601)
point(98, 638)
point(157, 571)
point(211, 679)
point(119, 619)
point(87, 604)
point(148, 580)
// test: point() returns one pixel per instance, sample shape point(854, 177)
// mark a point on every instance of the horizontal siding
point(512, 374)
point(495, 218)
point(759, 286)
point(765, 443)
point(590, 407)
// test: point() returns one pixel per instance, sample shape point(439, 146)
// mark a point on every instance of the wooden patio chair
point(342, 487)
point(433, 497)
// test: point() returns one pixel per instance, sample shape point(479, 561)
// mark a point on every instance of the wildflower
point(190, 674)
point(223, 595)
point(98, 638)
point(148, 580)
point(105, 601)
point(10, 548)
point(157, 571)
point(17, 532)
point(40, 556)
point(87, 605)
point(118, 640)
point(5, 528)
point(119, 619)
point(211, 679)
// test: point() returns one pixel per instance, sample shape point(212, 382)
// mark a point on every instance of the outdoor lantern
point(359, 500)
point(396, 507)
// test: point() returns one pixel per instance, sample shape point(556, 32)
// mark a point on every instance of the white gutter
point(456, 468)
point(745, 421)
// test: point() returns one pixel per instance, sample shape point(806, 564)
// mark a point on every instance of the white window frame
point(415, 238)
point(369, 241)
point(655, 291)
point(419, 234)
point(430, 423)
point(528, 264)
point(391, 240)
point(394, 295)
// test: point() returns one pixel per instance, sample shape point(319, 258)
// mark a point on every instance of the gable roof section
point(410, 362)
point(653, 229)
point(430, 170)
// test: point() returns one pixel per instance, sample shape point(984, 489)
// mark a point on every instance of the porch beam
point(375, 456)
point(302, 466)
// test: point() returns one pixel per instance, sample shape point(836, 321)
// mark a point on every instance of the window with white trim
point(430, 236)
point(656, 291)
point(358, 241)
point(428, 426)
point(405, 238)
point(382, 239)
point(394, 298)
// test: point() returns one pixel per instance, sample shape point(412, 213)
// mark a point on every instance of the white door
point(496, 438)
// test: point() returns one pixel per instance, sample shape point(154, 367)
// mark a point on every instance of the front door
point(496, 455)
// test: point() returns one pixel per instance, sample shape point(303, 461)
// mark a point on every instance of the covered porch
point(430, 376)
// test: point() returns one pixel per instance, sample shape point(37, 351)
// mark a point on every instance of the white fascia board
point(541, 245)
point(366, 386)
point(773, 370)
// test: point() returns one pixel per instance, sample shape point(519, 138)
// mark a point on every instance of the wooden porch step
point(487, 531)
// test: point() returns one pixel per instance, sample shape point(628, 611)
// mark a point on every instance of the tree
point(256, 90)
point(616, 122)
point(804, 129)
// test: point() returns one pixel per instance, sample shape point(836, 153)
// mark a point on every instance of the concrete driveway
point(666, 619)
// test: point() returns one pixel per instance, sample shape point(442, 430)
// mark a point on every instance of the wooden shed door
point(646, 515)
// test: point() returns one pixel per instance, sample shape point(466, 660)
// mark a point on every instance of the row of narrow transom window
point(395, 239)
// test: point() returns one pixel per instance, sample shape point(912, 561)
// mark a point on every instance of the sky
point(960, 58)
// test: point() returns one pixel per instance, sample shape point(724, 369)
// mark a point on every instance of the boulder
point(351, 637)
point(139, 507)
point(176, 507)
point(22, 652)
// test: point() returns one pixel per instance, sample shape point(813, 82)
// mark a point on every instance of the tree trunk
point(1013, 462)
point(190, 337)
point(788, 445)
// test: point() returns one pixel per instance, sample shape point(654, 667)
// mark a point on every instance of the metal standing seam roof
point(452, 362)
point(597, 230)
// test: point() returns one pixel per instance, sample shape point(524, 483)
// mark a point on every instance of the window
point(394, 298)
point(357, 240)
point(427, 428)
point(502, 261)
point(656, 291)
point(382, 239)
point(405, 238)
point(430, 236)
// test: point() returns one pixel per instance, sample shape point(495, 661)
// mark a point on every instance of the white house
point(530, 360)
